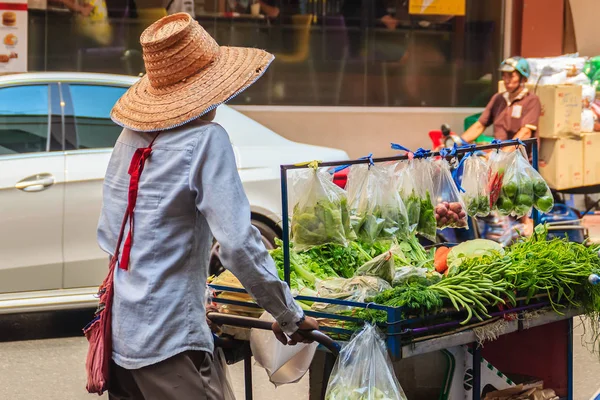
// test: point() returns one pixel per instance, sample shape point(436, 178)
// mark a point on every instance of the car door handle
point(35, 183)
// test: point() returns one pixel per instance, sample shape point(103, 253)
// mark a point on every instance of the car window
point(23, 119)
point(92, 105)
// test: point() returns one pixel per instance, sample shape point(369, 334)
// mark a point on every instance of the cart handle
point(247, 322)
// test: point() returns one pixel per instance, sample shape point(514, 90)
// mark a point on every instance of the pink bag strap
point(135, 171)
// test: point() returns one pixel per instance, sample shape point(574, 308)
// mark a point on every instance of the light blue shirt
point(189, 188)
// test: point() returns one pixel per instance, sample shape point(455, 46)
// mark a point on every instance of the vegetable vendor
point(514, 113)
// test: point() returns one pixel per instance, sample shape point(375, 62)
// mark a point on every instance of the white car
point(56, 138)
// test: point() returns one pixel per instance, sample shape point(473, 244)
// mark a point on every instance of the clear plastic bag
point(476, 195)
point(450, 210)
point(320, 213)
point(523, 188)
point(283, 364)
point(376, 209)
point(356, 289)
point(415, 185)
point(404, 274)
point(363, 370)
point(498, 162)
point(381, 266)
point(409, 192)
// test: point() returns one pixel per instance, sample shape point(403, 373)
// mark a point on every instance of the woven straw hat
point(188, 75)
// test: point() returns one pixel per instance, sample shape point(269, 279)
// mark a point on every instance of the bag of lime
point(523, 188)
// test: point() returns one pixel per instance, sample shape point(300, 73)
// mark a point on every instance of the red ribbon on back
point(135, 171)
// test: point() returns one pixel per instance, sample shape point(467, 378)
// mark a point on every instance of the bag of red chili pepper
point(499, 160)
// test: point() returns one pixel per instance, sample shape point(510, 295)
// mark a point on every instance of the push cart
point(408, 337)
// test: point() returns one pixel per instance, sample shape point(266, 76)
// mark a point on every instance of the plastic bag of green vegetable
point(409, 192)
point(417, 185)
point(320, 213)
point(476, 195)
point(376, 209)
point(523, 188)
point(450, 210)
point(363, 370)
point(382, 266)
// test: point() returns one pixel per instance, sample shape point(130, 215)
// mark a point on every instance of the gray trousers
point(190, 375)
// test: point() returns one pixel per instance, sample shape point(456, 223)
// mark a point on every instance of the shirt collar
point(520, 96)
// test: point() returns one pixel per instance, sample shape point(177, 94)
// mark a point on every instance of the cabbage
point(472, 249)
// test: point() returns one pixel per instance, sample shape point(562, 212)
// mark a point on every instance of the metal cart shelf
point(404, 335)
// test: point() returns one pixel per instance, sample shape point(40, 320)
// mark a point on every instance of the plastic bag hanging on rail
point(415, 184)
point(409, 192)
point(376, 209)
point(320, 212)
point(499, 160)
point(363, 370)
point(450, 210)
point(523, 188)
point(474, 182)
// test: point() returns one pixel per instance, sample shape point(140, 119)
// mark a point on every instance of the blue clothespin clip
point(396, 146)
point(422, 153)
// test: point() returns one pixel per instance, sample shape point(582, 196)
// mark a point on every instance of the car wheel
point(268, 235)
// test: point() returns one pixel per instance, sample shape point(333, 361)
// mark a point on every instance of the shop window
point(91, 106)
point(328, 52)
point(23, 119)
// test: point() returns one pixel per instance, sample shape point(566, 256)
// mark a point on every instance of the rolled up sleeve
point(531, 114)
point(221, 199)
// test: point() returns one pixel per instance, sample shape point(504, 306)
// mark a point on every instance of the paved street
point(42, 357)
point(49, 363)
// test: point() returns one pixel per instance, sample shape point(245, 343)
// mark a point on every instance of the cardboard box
point(561, 162)
point(561, 110)
point(591, 158)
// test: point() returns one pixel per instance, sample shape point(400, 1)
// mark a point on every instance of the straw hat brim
point(145, 108)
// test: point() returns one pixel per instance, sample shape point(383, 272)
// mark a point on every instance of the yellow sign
point(437, 7)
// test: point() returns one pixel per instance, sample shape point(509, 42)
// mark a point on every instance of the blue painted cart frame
point(398, 330)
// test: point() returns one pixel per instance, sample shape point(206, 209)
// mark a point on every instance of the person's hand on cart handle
point(308, 324)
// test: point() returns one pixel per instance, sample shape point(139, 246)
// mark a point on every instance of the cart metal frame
point(399, 331)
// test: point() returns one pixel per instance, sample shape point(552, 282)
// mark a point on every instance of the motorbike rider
point(514, 113)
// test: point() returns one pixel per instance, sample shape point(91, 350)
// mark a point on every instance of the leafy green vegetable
point(381, 266)
point(319, 224)
point(427, 223)
point(415, 297)
point(471, 249)
point(413, 208)
point(304, 272)
point(477, 205)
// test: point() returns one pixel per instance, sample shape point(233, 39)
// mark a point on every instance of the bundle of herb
point(415, 297)
point(427, 222)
